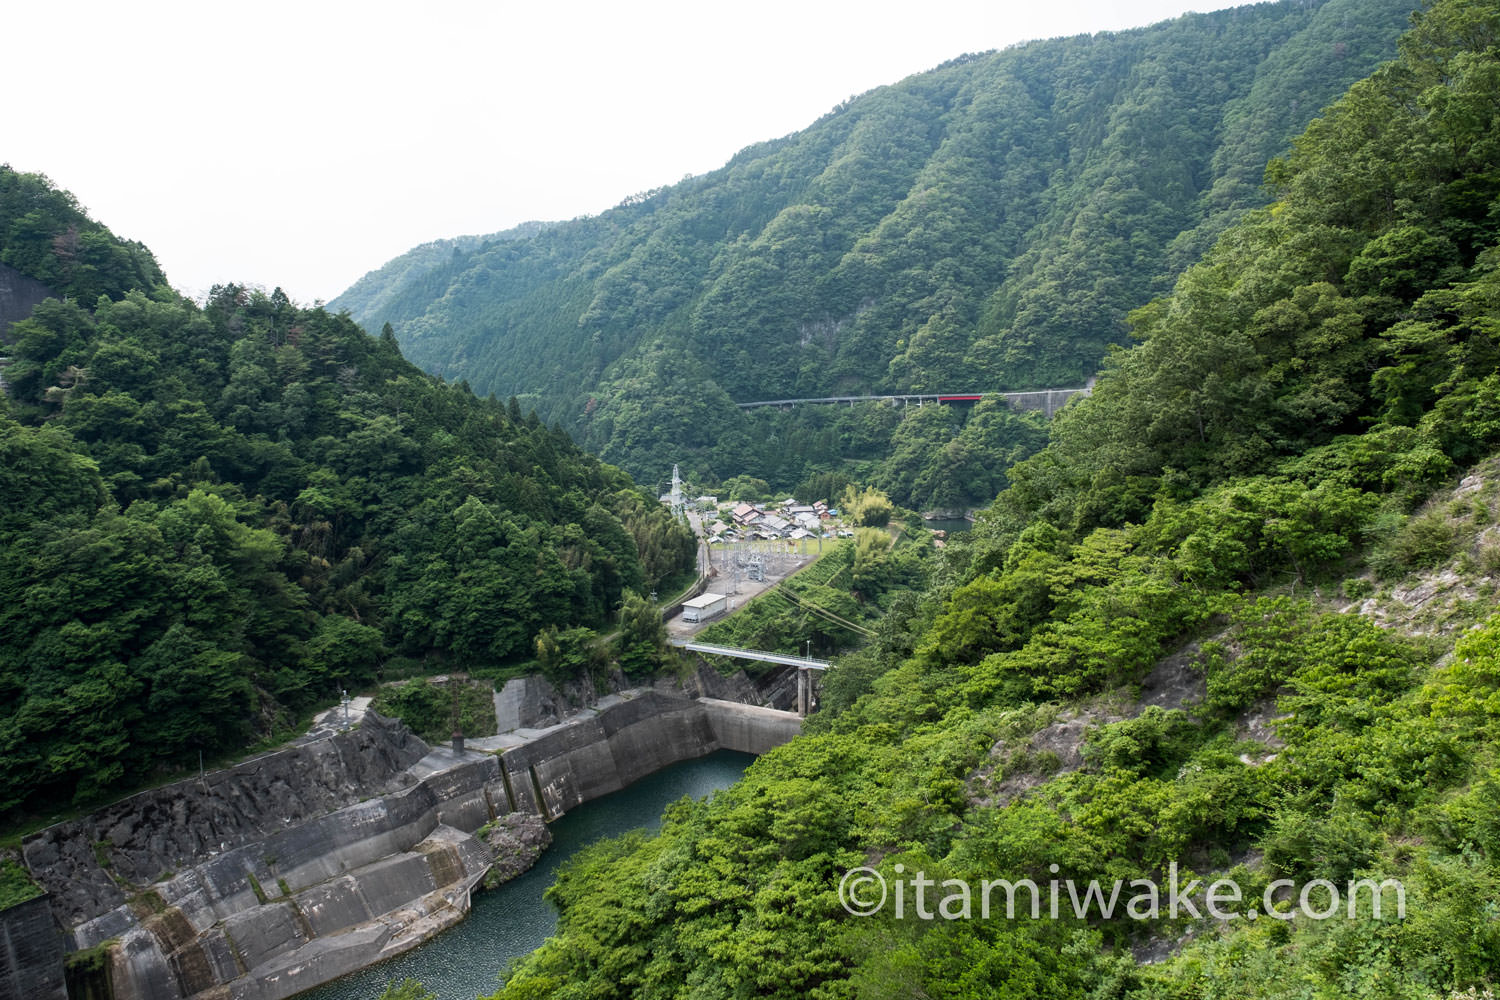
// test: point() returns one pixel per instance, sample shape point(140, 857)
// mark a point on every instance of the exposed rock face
point(531, 702)
point(517, 840)
point(1446, 598)
point(138, 840)
point(1176, 682)
point(706, 682)
point(777, 689)
point(18, 296)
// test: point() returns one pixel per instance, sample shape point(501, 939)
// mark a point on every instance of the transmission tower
point(679, 508)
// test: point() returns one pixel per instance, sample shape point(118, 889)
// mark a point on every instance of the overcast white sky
point(304, 143)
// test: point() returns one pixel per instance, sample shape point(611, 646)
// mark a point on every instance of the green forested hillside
point(48, 236)
point(984, 225)
point(213, 517)
point(1237, 619)
point(371, 294)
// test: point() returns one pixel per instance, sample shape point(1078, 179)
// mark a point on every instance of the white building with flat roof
point(704, 607)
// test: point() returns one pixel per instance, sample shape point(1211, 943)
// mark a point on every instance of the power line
point(806, 605)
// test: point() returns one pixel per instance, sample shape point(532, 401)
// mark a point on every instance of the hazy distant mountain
point(986, 224)
point(370, 294)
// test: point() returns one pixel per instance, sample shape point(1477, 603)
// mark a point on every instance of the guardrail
point(802, 662)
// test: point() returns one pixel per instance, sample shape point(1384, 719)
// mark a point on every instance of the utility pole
point(458, 732)
point(804, 685)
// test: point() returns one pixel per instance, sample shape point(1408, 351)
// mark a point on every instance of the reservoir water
point(949, 525)
point(513, 919)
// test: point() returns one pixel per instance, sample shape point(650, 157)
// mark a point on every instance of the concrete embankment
point(287, 871)
point(749, 728)
point(31, 952)
point(623, 739)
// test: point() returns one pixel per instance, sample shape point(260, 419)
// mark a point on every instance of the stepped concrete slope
point(291, 869)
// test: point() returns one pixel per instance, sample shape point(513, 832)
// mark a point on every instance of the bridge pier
point(805, 665)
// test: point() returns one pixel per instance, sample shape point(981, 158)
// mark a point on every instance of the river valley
point(512, 920)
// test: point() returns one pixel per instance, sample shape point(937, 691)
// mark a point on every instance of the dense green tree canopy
point(1211, 520)
point(986, 225)
point(46, 235)
point(213, 516)
point(1153, 650)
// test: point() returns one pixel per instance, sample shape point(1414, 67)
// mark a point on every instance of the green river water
point(513, 920)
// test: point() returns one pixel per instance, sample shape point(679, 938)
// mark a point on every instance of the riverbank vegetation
point(436, 707)
point(1199, 630)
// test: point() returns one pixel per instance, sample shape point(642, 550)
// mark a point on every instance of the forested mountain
point(371, 294)
point(984, 225)
point(1237, 619)
point(213, 517)
point(49, 238)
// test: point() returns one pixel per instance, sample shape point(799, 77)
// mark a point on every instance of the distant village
point(787, 520)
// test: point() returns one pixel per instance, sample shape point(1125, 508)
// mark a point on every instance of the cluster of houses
point(763, 522)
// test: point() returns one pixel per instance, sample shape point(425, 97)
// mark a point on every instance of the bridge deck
point(1038, 399)
point(807, 663)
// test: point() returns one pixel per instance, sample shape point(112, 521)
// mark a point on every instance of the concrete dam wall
point(552, 770)
point(292, 869)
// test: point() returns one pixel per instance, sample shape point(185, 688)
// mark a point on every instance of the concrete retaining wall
point(167, 829)
point(567, 765)
point(31, 953)
point(271, 878)
point(332, 895)
point(553, 770)
point(749, 728)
